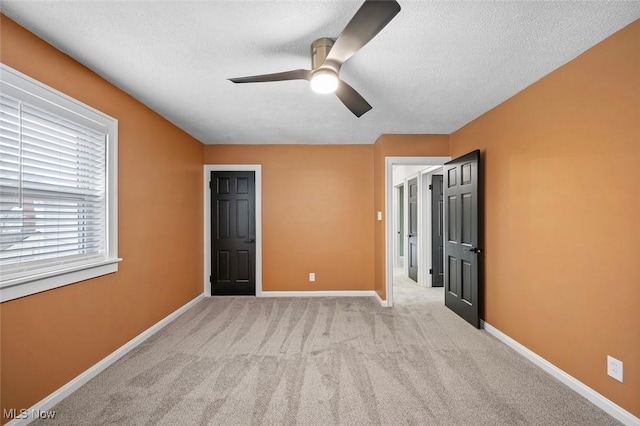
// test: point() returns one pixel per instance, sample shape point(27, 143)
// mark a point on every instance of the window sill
point(26, 286)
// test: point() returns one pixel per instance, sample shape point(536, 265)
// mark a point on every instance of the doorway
point(391, 234)
point(411, 282)
point(256, 169)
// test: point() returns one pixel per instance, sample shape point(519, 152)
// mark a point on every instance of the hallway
point(407, 292)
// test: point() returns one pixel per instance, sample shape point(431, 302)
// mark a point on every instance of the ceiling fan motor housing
point(319, 51)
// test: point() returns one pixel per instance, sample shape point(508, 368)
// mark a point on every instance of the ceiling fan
point(327, 55)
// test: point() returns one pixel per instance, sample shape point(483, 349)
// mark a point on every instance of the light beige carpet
point(408, 292)
point(323, 361)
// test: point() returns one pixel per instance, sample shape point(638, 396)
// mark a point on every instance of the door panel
point(465, 224)
point(223, 266)
point(224, 227)
point(466, 282)
point(244, 267)
point(413, 228)
point(452, 276)
point(233, 251)
point(242, 218)
point(451, 182)
point(462, 280)
point(437, 231)
point(452, 218)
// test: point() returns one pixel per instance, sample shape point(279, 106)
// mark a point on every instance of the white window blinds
point(58, 188)
point(52, 189)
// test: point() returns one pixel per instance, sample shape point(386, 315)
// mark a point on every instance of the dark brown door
point(462, 254)
point(233, 233)
point(412, 229)
point(437, 232)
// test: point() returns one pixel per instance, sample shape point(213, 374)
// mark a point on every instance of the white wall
point(404, 173)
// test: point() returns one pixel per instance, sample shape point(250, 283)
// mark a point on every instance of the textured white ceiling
point(434, 68)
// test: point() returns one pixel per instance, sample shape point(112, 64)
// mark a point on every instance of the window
point(58, 199)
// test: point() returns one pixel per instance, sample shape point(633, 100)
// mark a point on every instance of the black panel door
point(437, 231)
point(233, 233)
point(412, 229)
point(461, 266)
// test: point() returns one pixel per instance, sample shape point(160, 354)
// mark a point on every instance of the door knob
point(475, 250)
point(250, 240)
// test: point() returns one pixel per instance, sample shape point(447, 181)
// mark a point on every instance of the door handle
point(250, 240)
point(475, 250)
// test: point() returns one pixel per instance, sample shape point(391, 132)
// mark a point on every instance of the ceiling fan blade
point(279, 76)
point(368, 21)
point(352, 99)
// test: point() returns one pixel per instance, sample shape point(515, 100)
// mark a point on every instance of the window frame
point(27, 89)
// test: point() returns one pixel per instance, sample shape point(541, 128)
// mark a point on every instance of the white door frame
point(388, 207)
point(208, 168)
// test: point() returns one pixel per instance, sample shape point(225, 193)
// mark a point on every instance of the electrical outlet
point(312, 276)
point(614, 368)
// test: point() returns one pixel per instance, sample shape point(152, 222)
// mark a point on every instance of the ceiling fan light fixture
point(324, 81)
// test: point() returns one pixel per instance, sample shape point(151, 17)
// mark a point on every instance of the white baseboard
point(47, 403)
point(336, 293)
point(383, 303)
point(597, 399)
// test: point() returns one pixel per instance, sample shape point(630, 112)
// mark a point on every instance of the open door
point(462, 254)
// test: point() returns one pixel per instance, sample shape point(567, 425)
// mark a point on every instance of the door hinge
point(211, 278)
point(210, 184)
point(430, 271)
point(430, 187)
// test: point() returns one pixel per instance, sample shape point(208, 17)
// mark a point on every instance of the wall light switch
point(312, 276)
point(379, 215)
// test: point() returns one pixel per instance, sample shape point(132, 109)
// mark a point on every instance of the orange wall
point(317, 213)
point(562, 211)
point(49, 338)
point(397, 146)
